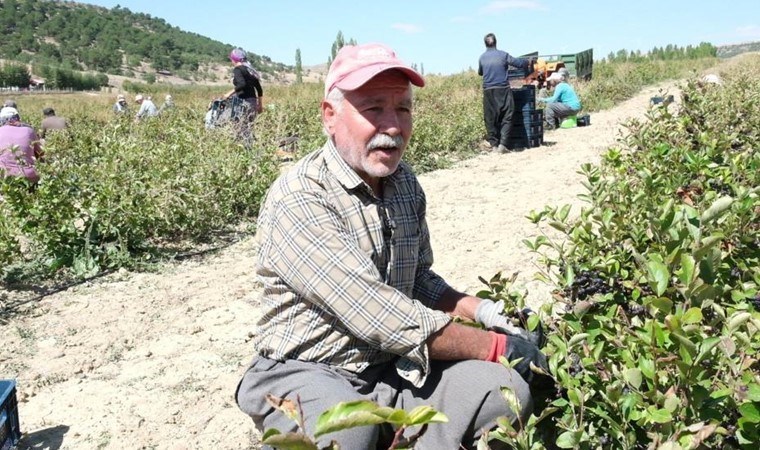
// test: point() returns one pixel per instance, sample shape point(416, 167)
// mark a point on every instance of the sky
point(446, 36)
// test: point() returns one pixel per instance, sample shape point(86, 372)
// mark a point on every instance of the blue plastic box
point(10, 432)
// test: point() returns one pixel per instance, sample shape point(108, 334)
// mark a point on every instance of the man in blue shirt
point(498, 103)
point(564, 103)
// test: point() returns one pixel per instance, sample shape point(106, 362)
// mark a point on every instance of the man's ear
point(329, 114)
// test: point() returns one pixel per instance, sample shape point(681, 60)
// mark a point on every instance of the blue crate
point(10, 432)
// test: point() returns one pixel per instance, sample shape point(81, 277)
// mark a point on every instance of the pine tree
point(299, 67)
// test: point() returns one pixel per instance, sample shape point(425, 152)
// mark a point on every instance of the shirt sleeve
point(557, 94)
point(520, 63)
point(257, 87)
point(312, 250)
point(428, 286)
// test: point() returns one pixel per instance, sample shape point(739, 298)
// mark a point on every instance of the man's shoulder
point(308, 175)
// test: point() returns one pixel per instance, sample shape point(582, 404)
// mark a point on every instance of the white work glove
point(491, 315)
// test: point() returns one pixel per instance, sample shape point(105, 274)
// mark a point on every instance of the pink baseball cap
point(354, 65)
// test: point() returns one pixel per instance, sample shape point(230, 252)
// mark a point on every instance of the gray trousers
point(466, 391)
point(555, 112)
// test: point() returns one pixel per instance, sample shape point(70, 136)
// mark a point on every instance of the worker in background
point(498, 103)
point(19, 147)
point(168, 103)
point(51, 122)
point(147, 108)
point(563, 103)
point(120, 107)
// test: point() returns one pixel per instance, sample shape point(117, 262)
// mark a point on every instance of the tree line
point(666, 53)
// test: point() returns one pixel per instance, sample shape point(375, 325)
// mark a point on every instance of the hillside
point(727, 51)
point(114, 41)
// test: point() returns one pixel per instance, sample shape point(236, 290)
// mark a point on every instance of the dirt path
point(151, 360)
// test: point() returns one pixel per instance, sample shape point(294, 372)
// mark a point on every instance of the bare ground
point(151, 360)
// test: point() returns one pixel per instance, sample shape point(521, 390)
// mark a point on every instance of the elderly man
point(147, 107)
point(352, 309)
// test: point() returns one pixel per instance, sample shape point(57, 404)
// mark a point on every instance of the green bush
point(655, 332)
point(112, 192)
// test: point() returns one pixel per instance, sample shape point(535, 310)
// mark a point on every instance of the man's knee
point(483, 383)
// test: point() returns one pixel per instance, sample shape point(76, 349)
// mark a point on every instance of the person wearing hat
point(121, 107)
point(498, 100)
point(147, 107)
point(19, 147)
point(563, 103)
point(168, 104)
point(351, 307)
point(246, 83)
point(51, 122)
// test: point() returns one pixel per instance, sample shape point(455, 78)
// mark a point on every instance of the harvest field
point(148, 355)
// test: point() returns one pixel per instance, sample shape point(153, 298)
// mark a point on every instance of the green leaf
point(685, 342)
point(753, 393)
point(564, 212)
point(738, 320)
point(664, 304)
point(633, 377)
point(660, 416)
point(717, 209)
point(533, 321)
point(569, 439)
point(659, 273)
point(647, 368)
point(706, 245)
point(686, 272)
point(693, 315)
point(750, 412)
point(425, 414)
point(346, 415)
point(290, 441)
point(576, 339)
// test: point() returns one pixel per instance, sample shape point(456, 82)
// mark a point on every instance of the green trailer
point(580, 65)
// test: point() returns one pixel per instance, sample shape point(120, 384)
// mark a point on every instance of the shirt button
point(393, 241)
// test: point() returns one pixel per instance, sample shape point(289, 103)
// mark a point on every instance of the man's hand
point(531, 363)
point(491, 315)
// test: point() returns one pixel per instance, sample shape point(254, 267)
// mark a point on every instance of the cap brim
point(360, 77)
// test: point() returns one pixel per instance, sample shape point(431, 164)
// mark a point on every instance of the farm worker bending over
point(147, 107)
point(563, 103)
point(51, 122)
point(498, 102)
point(352, 309)
point(19, 147)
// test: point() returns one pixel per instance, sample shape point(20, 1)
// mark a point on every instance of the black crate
point(520, 131)
point(10, 432)
point(525, 143)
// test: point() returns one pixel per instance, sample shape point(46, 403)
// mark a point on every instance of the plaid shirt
point(346, 275)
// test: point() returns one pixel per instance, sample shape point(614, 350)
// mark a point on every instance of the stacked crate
point(527, 121)
point(9, 426)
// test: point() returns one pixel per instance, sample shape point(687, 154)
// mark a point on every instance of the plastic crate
point(527, 132)
point(10, 432)
point(525, 143)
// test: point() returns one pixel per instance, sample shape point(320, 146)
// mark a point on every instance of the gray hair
point(336, 97)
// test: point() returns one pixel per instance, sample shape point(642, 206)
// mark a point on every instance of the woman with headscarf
point(19, 147)
point(246, 83)
point(564, 103)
